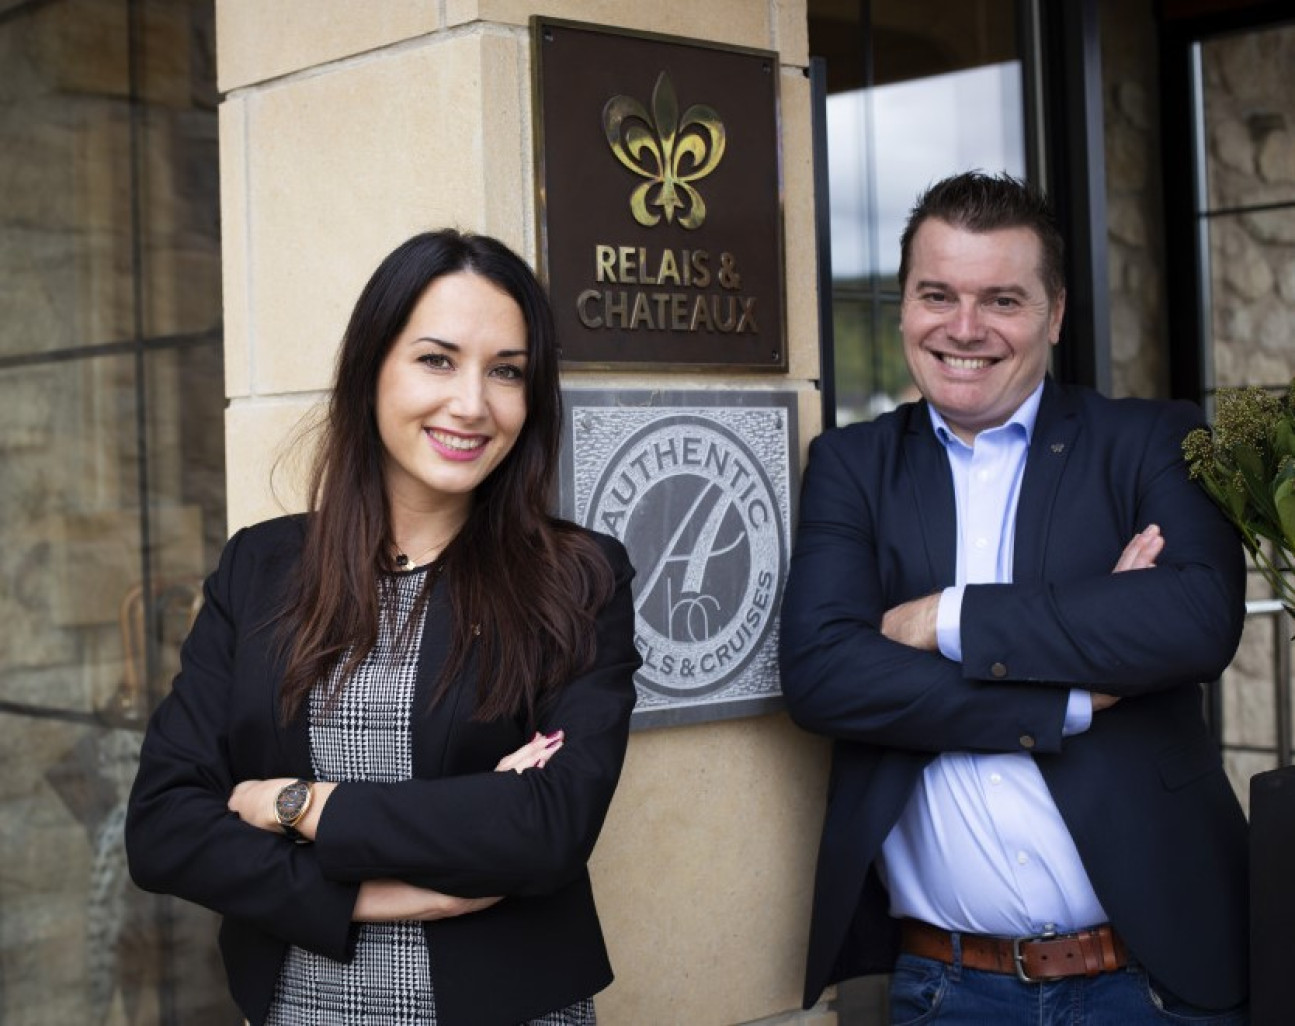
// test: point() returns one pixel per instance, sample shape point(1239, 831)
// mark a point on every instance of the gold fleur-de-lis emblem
point(670, 151)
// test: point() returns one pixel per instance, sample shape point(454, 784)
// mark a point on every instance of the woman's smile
point(455, 446)
point(451, 393)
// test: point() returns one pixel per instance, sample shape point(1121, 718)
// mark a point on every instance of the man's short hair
point(978, 202)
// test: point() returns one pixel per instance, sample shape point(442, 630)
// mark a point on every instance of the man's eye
point(935, 297)
point(1004, 302)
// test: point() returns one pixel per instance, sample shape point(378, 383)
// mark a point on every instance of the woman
point(399, 719)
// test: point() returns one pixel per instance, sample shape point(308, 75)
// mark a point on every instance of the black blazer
point(456, 826)
point(1143, 791)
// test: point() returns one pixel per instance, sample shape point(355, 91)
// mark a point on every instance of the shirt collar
point(1023, 420)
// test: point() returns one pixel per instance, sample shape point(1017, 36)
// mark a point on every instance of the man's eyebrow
point(988, 290)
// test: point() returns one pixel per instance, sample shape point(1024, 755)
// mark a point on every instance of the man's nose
point(965, 323)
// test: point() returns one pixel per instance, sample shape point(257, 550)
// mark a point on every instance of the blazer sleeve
point(841, 676)
point(181, 838)
point(1134, 632)
point(502, 833)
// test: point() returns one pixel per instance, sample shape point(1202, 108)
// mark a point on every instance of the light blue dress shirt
point(981, 847)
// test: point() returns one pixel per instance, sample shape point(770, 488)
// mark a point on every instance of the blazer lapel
point(1055, 431)
point(294, 738)
point(430, 725)
point(932, 482)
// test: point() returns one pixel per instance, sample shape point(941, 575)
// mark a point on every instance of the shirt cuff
point(948, 623)
point(1079, 712)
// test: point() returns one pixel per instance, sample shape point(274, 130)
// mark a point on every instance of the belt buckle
point(1018, 959)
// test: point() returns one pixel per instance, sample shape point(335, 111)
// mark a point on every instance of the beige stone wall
point(1135, 237)
point(1250, 162)
point(345, 129)
point(1249, 123)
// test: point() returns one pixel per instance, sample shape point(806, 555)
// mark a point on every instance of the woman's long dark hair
point(531, 583)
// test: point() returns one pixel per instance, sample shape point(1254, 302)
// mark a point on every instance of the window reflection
point(112, 503)
point(916, 93)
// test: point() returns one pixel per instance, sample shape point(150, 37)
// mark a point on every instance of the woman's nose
point(469, 398)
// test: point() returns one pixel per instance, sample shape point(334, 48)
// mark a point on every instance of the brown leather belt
point(1047, 957)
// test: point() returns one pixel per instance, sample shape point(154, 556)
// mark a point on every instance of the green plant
point(1246, 464)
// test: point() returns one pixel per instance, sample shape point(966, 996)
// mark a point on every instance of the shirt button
point(1027, 741)
point(1022, 858)
point(983, 475)
point(982, 543)
point(995, 778)
point(999, 670)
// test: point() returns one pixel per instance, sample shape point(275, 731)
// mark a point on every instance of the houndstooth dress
point(365, 736)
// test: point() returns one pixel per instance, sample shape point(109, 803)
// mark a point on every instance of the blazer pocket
point(1181, 765)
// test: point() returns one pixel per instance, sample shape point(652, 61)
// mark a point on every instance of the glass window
point(1244, 207)
point(1247, 206)
point(915, 93)
point(112, 505)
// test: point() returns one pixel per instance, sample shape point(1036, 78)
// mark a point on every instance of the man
point(1001, 604)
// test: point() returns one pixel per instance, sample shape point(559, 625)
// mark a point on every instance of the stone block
point(1132, 101)
point(734, 22)
point(1127, 159)
point(1238, 262)
point(235, 270)
point(704, 871)
point(1277, 157)
point(800, 263)
point(344, 166)
point(1231, 146)
point(1286, 279)
point(1127, 220)
point(270, 447)
point(261, 41)
point(507, 166)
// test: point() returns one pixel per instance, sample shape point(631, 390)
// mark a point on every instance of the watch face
point(291, 802)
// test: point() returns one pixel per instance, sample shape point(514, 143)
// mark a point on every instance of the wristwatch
point(291, 804)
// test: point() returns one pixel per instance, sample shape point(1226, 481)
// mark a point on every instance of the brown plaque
point(659, 199)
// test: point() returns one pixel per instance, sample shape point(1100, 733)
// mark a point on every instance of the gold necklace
point(403, 562)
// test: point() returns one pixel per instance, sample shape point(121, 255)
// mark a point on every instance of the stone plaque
point(699, 487)
point(659, 199)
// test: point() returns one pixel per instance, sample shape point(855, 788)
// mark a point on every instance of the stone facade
point(109, 235)
point(1134, 236)
point(1249, 129)
point(341, 135)
point(1250, 153)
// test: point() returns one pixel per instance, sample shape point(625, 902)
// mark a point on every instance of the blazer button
point(1026, 741)
point(999, 670)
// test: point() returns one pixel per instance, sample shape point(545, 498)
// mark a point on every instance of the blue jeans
point(924, 991)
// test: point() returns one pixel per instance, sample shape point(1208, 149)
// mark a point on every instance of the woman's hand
point(383, 901)
point(534, 754)
point(253, 800)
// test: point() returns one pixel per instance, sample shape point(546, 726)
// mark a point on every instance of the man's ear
point(1055, 316)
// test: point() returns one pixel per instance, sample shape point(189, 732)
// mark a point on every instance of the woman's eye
point(509, 372)
point(437, 361)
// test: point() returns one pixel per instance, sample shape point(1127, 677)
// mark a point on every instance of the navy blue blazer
point(1143, 791)
point(456, 826)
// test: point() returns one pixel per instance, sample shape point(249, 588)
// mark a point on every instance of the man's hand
point(913, 623)
point(1139, 554)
